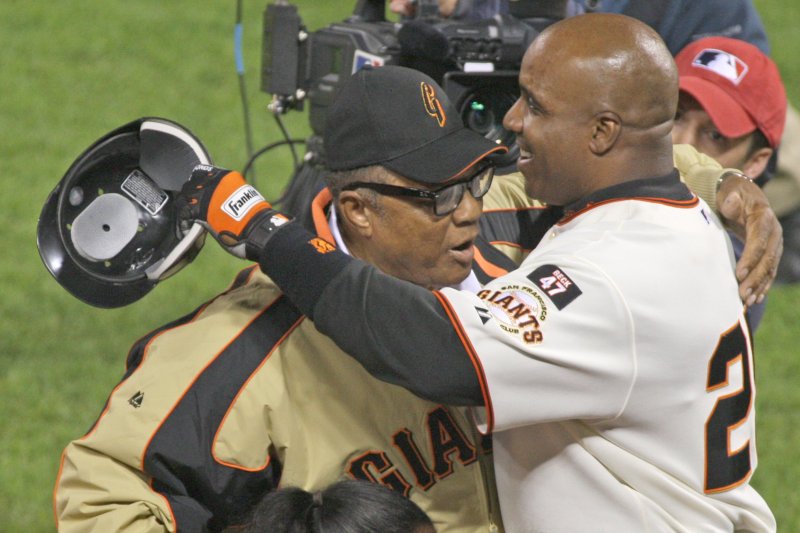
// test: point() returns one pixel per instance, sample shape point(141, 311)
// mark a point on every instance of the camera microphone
point(421, 39)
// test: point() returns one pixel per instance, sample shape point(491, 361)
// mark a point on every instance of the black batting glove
point(231, 209)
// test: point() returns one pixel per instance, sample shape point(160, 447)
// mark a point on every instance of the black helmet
point(109, 231)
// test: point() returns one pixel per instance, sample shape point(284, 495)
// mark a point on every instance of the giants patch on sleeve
point(555, 284)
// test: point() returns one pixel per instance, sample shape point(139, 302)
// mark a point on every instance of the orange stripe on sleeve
point(473, 355)
point(490, 268)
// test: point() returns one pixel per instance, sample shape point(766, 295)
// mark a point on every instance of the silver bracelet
point(736, 173)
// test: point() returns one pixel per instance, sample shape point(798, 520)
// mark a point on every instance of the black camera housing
point(476, 63)
point(338, 51)
point(482, 101)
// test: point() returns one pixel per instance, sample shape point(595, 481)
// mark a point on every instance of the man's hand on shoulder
point(745, 209)
point(231, 209)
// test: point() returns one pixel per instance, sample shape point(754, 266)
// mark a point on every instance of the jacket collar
point(319, 214)
point(667, 189)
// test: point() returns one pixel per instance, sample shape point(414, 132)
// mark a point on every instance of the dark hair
point(309, 180)
point(757, 142)
point(348, 506)
point(338, 179)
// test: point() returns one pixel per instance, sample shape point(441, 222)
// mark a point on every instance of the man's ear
point(356, 212)
point(757, 162)
point(606, 128)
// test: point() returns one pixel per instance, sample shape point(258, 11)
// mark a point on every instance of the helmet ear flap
point(109, 232)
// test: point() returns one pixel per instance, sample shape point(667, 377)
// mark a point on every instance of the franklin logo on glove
point(241, 201)
point(231, 209)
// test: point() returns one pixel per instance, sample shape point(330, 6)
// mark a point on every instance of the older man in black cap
point(244, 395)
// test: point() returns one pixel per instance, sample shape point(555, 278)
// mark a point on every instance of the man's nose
point(512, 121)
point(468, 210)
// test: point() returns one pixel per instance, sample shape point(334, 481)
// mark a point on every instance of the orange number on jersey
point(727, 467)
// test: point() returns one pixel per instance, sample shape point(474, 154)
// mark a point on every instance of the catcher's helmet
point(109, 231)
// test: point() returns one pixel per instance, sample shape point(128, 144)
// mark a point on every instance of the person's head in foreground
point(349, 506)
point(598, 99)
point(407, 176)
point(732, 103)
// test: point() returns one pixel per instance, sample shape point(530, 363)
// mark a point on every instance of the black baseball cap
point(401, 119)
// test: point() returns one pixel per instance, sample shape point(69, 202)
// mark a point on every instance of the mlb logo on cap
point(726, 65)
point(737, 84)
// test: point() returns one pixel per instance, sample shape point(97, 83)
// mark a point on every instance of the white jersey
point(618, 376)
point(614, 366)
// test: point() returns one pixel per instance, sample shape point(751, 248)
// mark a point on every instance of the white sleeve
point(555, 342)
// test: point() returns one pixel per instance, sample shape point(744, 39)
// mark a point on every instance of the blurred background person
point(732, 107)
point(677, 21)
point(732, 104)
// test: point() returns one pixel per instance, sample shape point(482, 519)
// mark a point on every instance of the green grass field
point(72, 71)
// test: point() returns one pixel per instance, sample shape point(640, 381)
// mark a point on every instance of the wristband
point(728, 173)
point(262, 231)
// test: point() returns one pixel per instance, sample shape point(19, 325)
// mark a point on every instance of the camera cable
point(239, 57)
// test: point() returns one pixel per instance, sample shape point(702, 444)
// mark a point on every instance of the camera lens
point(482, 111)
point(482, 100)
point(479, 117)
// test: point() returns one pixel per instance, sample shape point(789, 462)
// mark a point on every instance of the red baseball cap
point(737, 84)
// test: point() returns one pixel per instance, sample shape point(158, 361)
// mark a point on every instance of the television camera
point(475, 62)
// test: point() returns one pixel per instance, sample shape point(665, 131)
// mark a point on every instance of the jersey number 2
point(725, 467)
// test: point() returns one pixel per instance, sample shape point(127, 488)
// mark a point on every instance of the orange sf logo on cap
point(432, 105)
point(321, 246)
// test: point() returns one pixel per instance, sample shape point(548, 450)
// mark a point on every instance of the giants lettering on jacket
point(445, 440)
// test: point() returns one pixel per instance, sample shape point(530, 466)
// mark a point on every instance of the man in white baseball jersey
point(614, 367)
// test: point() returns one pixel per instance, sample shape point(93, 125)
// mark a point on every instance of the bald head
point(598, 99)
point(613, 63)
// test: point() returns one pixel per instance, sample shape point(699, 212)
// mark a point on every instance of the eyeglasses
point(445, 199)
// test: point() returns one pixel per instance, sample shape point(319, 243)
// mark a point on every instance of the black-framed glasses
point(445, 199)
